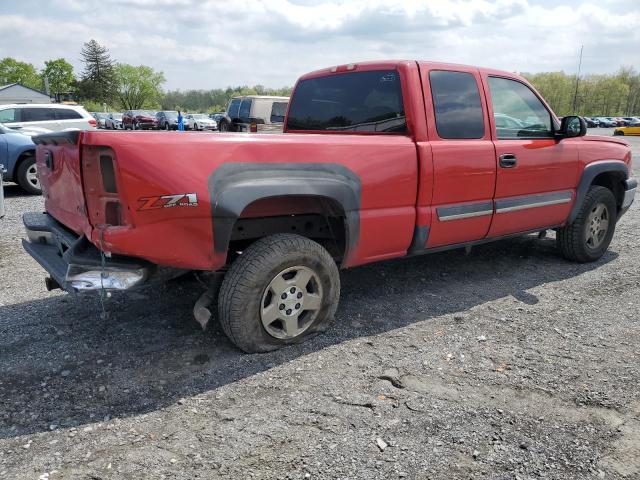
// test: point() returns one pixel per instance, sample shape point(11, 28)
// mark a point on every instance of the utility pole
point(575, 95)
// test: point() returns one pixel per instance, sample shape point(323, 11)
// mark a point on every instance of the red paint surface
point(404, 179)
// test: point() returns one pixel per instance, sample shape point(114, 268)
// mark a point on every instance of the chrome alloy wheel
point(291, 302)
point(597, 225)
point(32, 176)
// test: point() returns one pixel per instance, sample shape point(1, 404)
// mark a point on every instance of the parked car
point(51, 116)
point(378, 160)
point(254, 113)
point(167, 120)
point(606, 122)
point(113, 121)
point(632, 129)
point(101, 118)
point(17, 156)
point(591, 122)
point(217, 116)
point(139, 120)
point(503, 121)
point(200, 121)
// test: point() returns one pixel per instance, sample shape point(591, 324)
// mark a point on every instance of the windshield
point(171, 115)
point(144, 112)
point(200, 116)
point(368, 101)
point(117, 116)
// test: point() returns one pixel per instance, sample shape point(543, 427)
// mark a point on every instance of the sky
point(213, 44)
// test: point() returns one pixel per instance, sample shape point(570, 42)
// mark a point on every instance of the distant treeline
point(597, 95)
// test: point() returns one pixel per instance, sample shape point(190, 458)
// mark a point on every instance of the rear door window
point(35, 114)
point(234, 105)
point(369, 101)
point(68, 114)
point(278, 111)
point(457, 105)
point(244, 113)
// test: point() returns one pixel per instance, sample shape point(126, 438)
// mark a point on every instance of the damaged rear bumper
point(75, 264)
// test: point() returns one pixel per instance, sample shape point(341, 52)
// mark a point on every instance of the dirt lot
point(508, 363)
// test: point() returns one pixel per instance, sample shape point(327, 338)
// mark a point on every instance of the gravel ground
point(508, 363)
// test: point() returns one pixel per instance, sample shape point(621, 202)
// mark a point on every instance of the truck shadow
point(61, 365)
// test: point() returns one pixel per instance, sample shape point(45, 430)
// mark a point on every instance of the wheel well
point(614, 181)
point(21, 158)
point(318, 218)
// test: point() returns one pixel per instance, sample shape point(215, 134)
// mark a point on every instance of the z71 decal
point(168, 201)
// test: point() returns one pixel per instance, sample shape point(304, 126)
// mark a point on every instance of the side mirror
point(572, 126)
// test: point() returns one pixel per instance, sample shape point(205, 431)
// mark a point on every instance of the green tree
point(138, 87)
point(98, 79)
point(14, 71)
point(59, 74)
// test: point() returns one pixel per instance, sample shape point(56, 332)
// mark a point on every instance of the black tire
point(246, 286)
point(24, 176)
point(223, 126)
point(618, 132)
point(166, 126)
point(572, 239)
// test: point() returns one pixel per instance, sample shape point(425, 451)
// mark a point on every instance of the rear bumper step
point(74, 262)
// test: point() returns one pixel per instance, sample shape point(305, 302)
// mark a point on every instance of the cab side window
point(517, 111)
point(457, 105)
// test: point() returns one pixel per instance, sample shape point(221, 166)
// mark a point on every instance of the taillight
point(253, 128)
point(92, 122)
point(100, 181)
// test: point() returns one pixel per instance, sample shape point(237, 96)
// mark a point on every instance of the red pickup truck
point(377, 161)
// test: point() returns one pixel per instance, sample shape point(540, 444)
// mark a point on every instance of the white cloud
point(210, 44)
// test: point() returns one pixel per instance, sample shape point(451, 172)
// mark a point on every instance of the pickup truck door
point(463, 155)
point(537, 174)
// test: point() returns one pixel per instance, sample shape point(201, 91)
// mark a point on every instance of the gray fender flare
point(590, 172)
point(233, 186)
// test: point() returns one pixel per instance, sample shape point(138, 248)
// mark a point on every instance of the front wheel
point(589, 236)
point(281, 290)
point(618, 132)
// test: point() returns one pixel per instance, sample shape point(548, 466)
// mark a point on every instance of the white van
point(51, 116)
point(255, 113)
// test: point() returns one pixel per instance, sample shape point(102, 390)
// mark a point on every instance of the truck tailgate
point(58, 163)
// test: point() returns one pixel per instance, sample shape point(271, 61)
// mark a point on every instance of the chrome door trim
point(513, 204)
point(459, 212)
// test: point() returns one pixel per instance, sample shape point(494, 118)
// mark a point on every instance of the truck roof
point(394, 64)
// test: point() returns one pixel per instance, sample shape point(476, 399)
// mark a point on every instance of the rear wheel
point(27, 176)
point(589, 236)
point(618, 132)
point(281, 290)
point(223, 126)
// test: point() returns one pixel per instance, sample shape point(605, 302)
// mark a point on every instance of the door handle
point(508, 160)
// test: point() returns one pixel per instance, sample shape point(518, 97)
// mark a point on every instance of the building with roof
point(16, 93)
